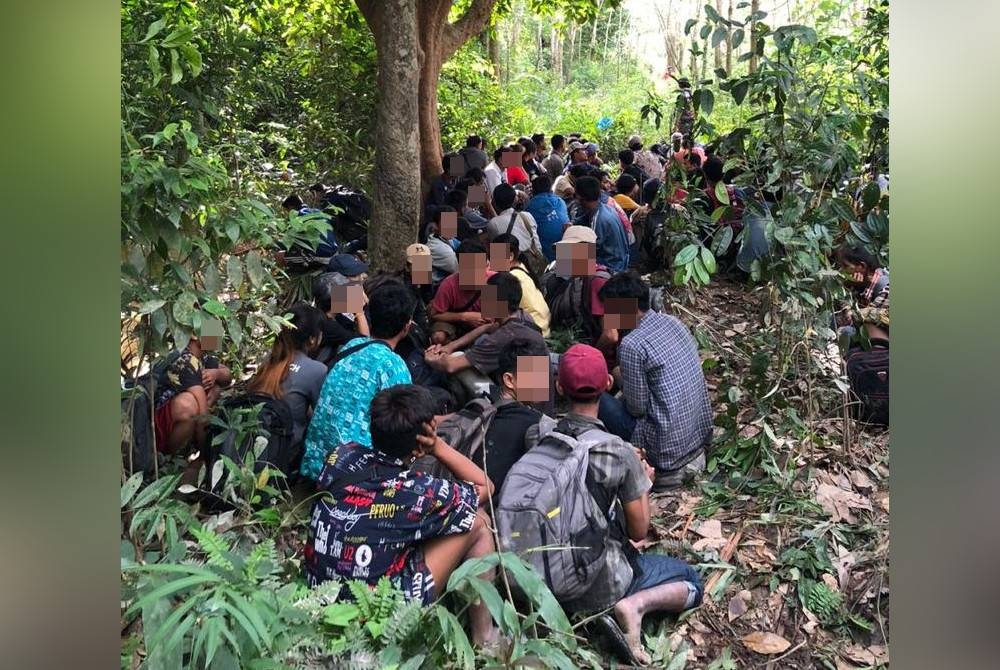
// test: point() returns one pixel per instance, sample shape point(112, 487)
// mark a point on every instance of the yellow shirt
point(532, 300)
point(626, 203)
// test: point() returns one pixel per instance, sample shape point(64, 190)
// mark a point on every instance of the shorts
point(163, 419)
point(655, 569)
point(416, 580)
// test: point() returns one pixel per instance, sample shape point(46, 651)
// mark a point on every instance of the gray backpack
point(548, 516)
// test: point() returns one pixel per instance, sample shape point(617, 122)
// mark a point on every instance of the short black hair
point(626, 156)
point(529, 146)
point(557, 141)
point(513, 246)
point(476, 175)
point(471, 246)
point(292, 202)
point(625, 184)
point(497, 153)
point(464, 231)
point(649, 190)
point(456, 199)
point(635, 146)
point(507, 358)
point(541, 184)
point(626, 285)
point(446, 161)
point(389, 310)
point(581, 170)
point(397, 416)
point(713, 169)
point(321, 291)
point(508, 288)
point(503, 197)
point(856, 254)
point(473, 141)
point(588, 188)
point(538, 138)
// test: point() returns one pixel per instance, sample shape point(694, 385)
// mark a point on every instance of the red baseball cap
point(583, 372)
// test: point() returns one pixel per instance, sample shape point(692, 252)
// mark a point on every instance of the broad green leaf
point(494, 603)
point(705, 30)
point(154, 64)
point(176, 73)
point(215, 308)
point(686, 255)
point(722, 240)
point(842, 209)
point(784, 234)
point(255, 269)
point(691, 23)
point(340, 614)
point(234, 270)
point(213, 282)
point(130, 487)
point(721, 193)
point(737, 38)
point(739, 90)
point(154, 29)
point(700, 272)
point(455, 638)
point(862, 234)
point(719, 212)
point(870, 195)
point(159, 657)
point(712, 14)
point(151, 306)
point(179, 36)
point(719, 36)
point(193, 58)
point(233, 230)
point(706, 101)
point(708, 259)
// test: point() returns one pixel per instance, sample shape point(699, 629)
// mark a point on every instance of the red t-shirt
point(517, 175)
point(451, 298)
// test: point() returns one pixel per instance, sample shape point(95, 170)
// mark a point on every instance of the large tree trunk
point(439, 40)
point(396, 192)
point(557, 58)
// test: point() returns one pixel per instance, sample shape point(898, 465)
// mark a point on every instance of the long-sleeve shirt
point(664, 388)
point(612, 243)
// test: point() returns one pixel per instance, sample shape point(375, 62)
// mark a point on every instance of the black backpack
point(274, 423)
point(138, 450)
point(868, 371)
point(569, 301)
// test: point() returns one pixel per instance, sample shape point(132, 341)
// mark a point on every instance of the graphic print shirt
point(374, 527)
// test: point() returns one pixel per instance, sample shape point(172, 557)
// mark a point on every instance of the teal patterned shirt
point(341, 413)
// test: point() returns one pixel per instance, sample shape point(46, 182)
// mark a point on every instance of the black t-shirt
point(337, 331)
point(505, 440)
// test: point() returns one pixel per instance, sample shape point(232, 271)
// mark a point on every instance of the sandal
point(607, 625)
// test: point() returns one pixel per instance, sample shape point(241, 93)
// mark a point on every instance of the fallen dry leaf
point(765, 643)
point(709, 528)
point(844, 665)
point(861, 481)
point(738, 605)
point(873, 655)
point(709, 543)
point(838, 503)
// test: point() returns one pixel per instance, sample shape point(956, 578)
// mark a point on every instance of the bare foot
point(631, 622)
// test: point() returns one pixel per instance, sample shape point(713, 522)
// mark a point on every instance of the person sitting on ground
point(475, 179)
point(516, 175)
point(444, 262)
point(338, 327)
point(290, 374)
point(541, 150)
point(457, 200)
point(452, 168)
point(626, 190)
point(479, 348)
point(576, 271)
point(555, 162)
point(379, 517)
point(327, 244)
point(646, 160)
point(612, 241)
point(666, 409)
point(634, 584)
point(456, 307)
point(626, 161)
point(532, 300)
point(522, 376)
point(348, 265)
point(565, 185)
point(550, 214)
point(690, 156)
point(494, 171)
point(521, 225)
point(869, 282)
point(592, 157)
point(188, 385)
point(528, 162)
point(364, 367)
point(472, 153)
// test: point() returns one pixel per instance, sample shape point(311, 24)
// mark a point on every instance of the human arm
point(467, 319)
point(637, 517)
point(470, 337)
point(436, 357)
point(458, 464)
point(634, 387)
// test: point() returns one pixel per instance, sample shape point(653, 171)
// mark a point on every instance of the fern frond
point(214, 547)
point(403, 622)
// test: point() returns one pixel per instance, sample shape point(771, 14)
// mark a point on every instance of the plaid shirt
point(615, 467)
point(664, 388)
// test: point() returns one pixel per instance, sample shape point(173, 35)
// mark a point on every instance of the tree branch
point(471, 23)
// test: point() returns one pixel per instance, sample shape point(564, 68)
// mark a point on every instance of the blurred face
point(348, 299)
point(448, 227)
point(420, 270)
point(578, 259)
point(471, 271)
point(492, 306)
point(530, 383)
point(620, 313)
point(500, 258)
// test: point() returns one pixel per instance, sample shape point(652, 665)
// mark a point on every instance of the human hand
point(473, 319)
point(208, 379)
point(427, 439)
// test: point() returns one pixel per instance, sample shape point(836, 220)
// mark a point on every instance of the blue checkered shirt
point(664, 388)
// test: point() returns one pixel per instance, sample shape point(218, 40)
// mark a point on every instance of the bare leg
point(443, 554)
point(184, 408)
point(629, 611)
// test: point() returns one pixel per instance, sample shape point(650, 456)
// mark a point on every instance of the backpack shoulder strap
point(510, 225)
